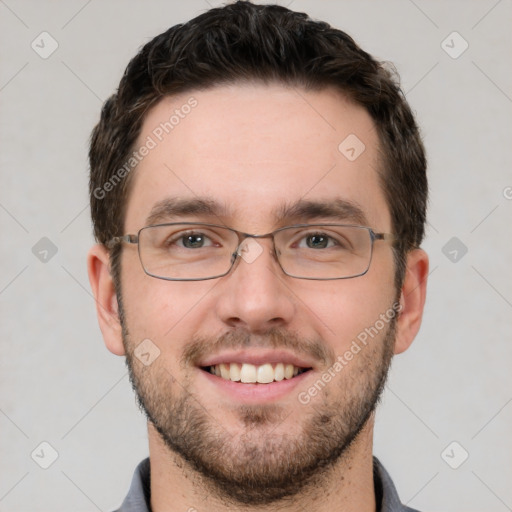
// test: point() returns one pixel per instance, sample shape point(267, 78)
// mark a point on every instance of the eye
point(316, 241)
point(190, 240)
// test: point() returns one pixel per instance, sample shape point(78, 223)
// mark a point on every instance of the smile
point(249, 373)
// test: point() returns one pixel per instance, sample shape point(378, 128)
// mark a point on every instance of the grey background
point(59, 384)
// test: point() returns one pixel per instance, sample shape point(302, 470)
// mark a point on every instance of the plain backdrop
point(448, 398)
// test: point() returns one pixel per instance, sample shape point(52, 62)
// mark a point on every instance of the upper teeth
point(248, 373)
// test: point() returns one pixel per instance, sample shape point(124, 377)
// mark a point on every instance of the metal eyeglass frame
point(134, 239)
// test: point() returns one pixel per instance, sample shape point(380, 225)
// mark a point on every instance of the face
point(258, 154)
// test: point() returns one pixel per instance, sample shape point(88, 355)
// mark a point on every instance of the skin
point(252, 147)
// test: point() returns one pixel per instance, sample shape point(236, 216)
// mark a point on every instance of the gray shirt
point(138, 498)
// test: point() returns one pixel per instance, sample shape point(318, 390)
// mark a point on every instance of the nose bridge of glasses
point(249, 242)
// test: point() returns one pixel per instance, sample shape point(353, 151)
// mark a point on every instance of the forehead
point(256, 150)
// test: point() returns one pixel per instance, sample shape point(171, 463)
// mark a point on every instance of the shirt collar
point(138, 498)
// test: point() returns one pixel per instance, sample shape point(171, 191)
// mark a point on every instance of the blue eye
point(190, 240)
point(318, 241)
point(193, 241)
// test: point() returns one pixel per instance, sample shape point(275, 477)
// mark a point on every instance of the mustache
point(201, 347)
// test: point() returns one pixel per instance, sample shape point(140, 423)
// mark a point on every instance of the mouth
point(247, 373)
point(254, 376)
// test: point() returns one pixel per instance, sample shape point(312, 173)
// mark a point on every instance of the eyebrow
point(337, 209)
point(334, 209)
point(170, 207)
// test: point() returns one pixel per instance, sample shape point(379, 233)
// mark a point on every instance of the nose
point(255, 295)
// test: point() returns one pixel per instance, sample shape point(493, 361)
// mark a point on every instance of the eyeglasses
point(190, 251)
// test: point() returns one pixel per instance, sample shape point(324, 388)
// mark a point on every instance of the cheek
point(163, 311)
point(344, 309)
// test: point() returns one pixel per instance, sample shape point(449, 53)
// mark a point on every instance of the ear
point(412, 299)
point(98, 267)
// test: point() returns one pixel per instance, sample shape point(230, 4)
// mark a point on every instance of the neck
point(347, 485)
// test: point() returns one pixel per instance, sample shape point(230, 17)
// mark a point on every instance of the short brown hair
point(259, 43)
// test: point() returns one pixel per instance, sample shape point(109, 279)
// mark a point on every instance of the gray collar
point(138, 498)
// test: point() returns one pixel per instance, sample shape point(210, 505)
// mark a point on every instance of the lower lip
point(254, 393)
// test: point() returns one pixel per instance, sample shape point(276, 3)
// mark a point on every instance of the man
point(258, 192)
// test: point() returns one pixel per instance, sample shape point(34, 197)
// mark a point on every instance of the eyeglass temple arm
point(129, 239)
point(385, 236)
